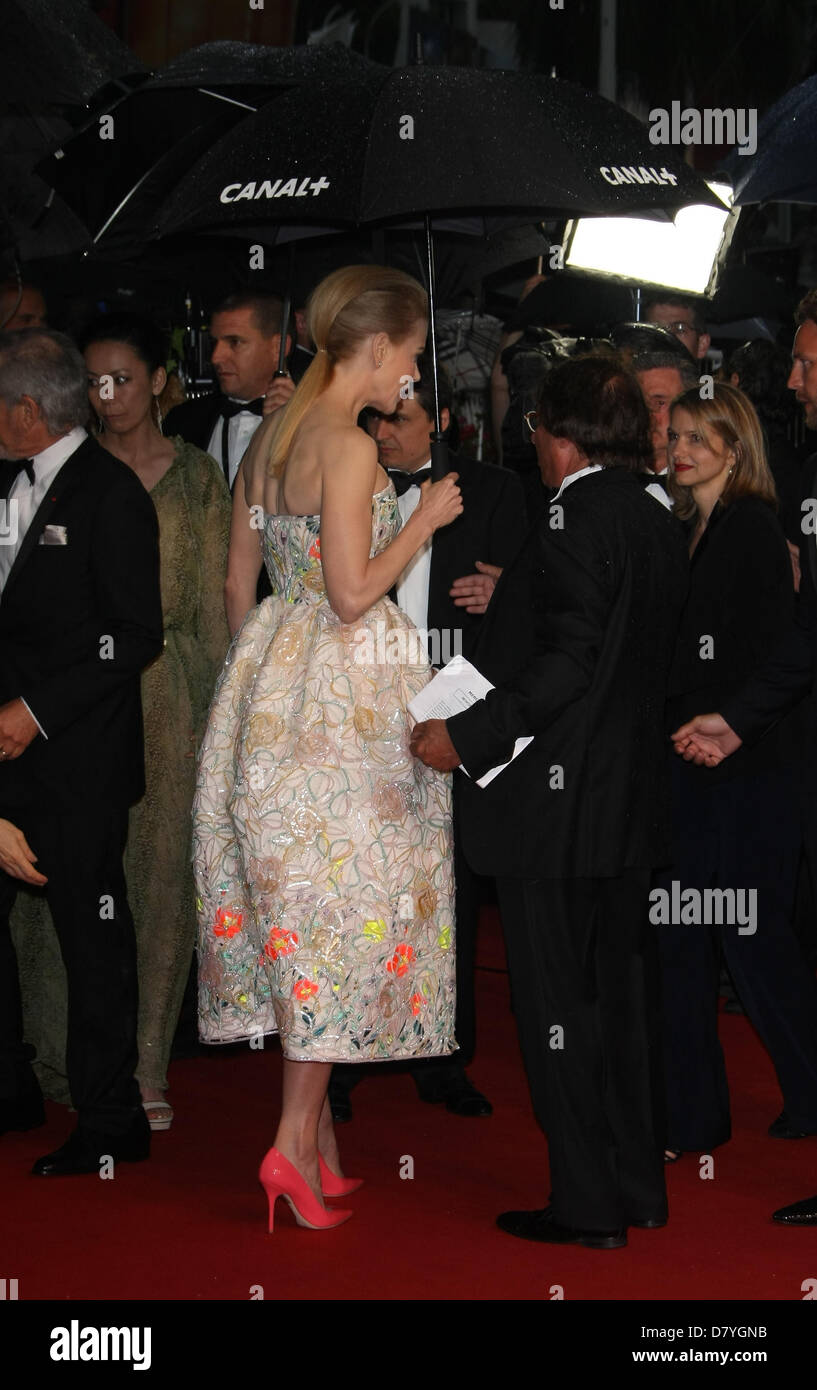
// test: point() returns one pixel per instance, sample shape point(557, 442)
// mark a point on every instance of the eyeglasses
point(680, 327)
point(531, 420)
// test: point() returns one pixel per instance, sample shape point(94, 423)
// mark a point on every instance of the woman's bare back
point(297, 489)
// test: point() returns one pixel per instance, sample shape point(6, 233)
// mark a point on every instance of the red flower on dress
point(400, 961)
point(228, 922)
point(416, 1002)
point(315, 549)
point(280, 943)
point(304, 989)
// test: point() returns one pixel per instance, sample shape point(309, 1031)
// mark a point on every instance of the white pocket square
point(54, 535)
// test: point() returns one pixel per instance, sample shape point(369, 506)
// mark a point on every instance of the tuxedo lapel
point(67, 476)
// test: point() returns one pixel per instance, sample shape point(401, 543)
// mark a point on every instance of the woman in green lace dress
point(124, 355)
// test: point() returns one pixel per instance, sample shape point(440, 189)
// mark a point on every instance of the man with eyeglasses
point(578, 643)
point(682, 317)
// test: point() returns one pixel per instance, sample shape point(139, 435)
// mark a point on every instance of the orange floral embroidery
point(400, 961)
point(416, 1002)
point(304, 989)
point(227, 922)
point(315, 549)
point(280, 943)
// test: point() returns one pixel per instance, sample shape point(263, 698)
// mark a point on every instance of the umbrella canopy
point(53, 58)
point(160, 128)
point(429, 139)
point(784, 168)
point(432, 140)
point(58, 54)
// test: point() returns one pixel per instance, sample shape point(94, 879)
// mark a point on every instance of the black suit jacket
point(78, 622)
point(195, 420)
point(578, 639)
point(789, 673)
point(490, 527)
point(741, 598)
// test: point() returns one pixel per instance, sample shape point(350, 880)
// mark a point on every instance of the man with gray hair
point(662, 376)
point(80, 616)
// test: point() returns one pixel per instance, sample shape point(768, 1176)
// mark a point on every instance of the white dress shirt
point(28, 497)
point(571, 477)
point(240, 430)
point(656, 490)
point(412, 584)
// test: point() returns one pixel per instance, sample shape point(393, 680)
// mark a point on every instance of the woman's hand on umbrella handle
point(440, 502)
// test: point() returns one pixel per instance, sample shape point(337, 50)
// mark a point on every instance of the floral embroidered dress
point(322, 848)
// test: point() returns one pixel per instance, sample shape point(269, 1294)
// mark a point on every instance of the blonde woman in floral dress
point(322, 849)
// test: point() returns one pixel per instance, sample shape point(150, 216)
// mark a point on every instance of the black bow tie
point(660, 478)
point(403, 481)
point(230, 408)
point(17, 467)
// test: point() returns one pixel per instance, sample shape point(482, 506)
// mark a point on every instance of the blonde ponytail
point(342, 311)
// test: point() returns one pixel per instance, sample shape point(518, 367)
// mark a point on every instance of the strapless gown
point(321, 848)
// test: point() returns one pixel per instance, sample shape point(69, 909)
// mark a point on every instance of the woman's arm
point(212, 543)
point(244, 557)
point(354, 581)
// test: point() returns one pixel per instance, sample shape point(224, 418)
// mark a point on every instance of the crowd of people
point(204, 622)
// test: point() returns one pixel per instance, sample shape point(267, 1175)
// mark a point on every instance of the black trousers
point(434, 1071)
point(741, 834)
point(80, 852)
point(584, 974)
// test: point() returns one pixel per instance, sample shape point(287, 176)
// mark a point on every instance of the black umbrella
point(58, 54)
point(53, 58)
point(161, 128)
point(783, 168)
point(431, 140)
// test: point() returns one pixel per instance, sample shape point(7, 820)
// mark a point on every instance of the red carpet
point(190, 1224)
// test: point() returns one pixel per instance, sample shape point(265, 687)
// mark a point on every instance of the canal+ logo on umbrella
point(234, 192)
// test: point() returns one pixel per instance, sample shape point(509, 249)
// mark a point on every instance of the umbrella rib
point(232, 101)
point(120, 206)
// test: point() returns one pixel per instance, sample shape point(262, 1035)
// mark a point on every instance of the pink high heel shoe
point(280, 1178)
point(332, 1185)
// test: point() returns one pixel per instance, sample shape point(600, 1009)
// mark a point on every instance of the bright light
point(685, 254)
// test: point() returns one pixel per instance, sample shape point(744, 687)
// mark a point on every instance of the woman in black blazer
point(735, 827)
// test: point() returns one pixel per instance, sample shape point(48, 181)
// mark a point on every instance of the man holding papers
point(577, 642)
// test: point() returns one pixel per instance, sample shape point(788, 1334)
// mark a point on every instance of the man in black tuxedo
point(662, 376)
point(445, 590)
point(80, 616)
point(246, 334)
point(578, 640)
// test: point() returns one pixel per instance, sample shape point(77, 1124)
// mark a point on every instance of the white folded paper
point(455, 688)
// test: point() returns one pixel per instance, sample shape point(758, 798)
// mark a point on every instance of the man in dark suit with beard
point(80, 616)
point(578, 640)
point(445, 590)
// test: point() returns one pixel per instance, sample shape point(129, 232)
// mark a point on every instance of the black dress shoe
point(83, 1151)
point(782, 1128)
point(340, 1103)
point(799, 1213)
point(648, 1225)
point(540, 1225)
point(27, 1112)
point(459, 1095)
